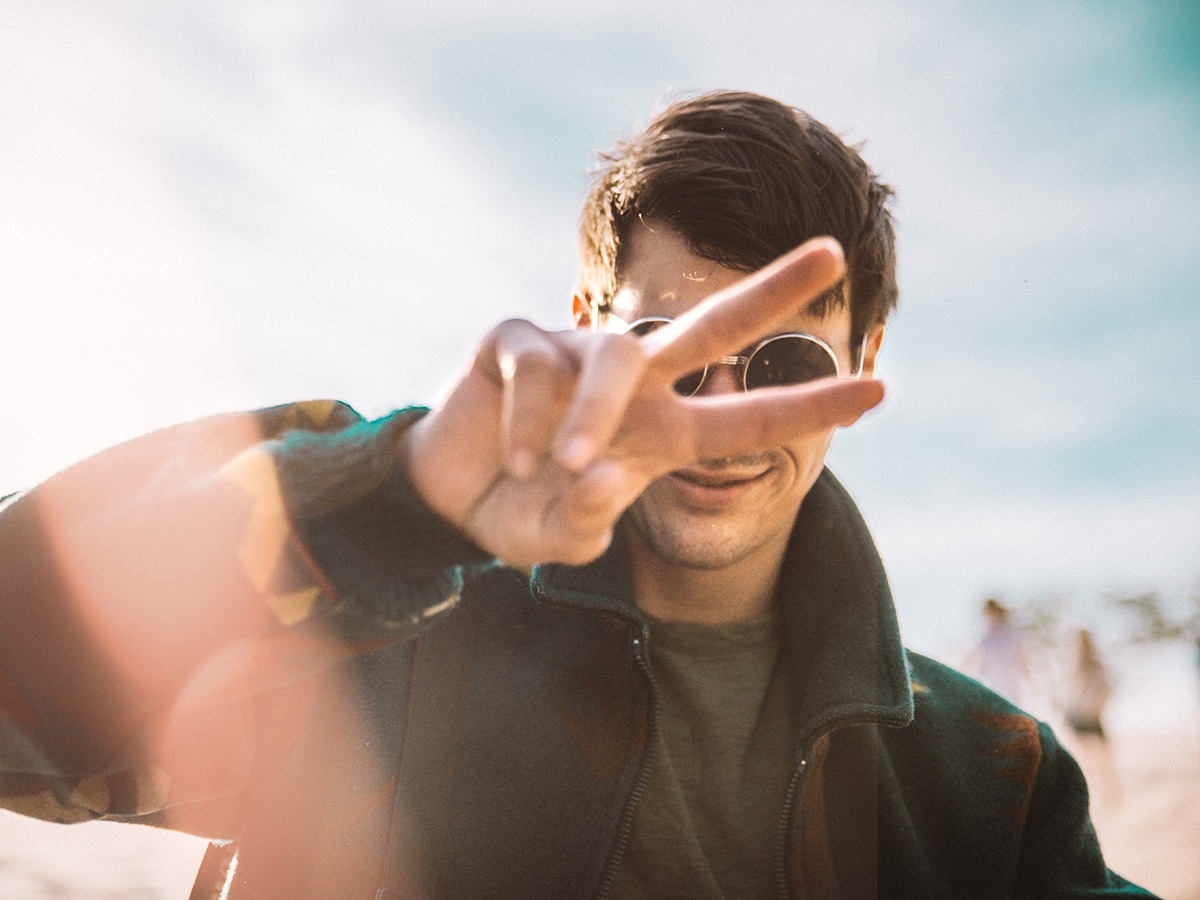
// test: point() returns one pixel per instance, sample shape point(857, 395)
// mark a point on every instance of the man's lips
point(728, 472)
point(719, 479)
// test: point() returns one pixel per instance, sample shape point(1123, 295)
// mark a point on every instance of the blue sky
point(218, 204)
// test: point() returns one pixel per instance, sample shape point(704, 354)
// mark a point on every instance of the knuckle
point(505, 334)
point(498, 344)
point(537, 359)
point(514, 326)
point(619, 361)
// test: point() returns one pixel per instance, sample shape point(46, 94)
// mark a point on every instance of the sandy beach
point(1146, 805)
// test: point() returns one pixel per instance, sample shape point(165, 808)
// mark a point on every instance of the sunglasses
point(783, 359)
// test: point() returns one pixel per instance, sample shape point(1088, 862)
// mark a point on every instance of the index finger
point(736, 316)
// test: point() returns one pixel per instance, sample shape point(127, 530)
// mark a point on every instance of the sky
point(220, 205)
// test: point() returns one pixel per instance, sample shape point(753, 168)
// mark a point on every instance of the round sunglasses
point(782, 359)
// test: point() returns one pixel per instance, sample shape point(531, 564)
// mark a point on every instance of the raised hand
point(550, 436)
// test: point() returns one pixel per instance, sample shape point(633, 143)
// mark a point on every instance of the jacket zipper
point(796, 788)
point(626, 824)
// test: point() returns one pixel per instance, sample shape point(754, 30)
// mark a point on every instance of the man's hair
point(742, 179)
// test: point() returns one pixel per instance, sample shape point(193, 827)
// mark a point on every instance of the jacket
point(405, 717)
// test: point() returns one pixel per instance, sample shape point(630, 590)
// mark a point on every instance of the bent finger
point(538, 378)
point(612, 370)
point(581, 523)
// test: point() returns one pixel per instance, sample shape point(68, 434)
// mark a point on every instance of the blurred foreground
point(1146, 804)
point(94, 861)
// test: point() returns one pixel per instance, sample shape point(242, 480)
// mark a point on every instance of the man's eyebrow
point(821, 305)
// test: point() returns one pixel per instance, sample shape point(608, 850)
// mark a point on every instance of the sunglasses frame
point(743, 362)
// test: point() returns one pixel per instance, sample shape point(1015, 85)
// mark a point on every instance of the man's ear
point(582, 312)
point(870, 350)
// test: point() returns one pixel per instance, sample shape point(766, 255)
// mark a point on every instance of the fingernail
point(575, 453)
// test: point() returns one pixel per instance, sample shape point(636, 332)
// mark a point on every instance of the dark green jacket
point(416, 716)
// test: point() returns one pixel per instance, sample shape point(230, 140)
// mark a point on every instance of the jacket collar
point(840, 629)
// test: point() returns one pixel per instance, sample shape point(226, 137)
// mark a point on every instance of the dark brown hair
point(742, 179)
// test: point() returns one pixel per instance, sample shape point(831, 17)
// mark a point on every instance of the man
point(601, 625)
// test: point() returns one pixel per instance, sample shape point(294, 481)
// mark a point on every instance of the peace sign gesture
point(550, 436)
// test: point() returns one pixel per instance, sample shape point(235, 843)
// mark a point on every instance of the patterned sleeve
point(159, 588)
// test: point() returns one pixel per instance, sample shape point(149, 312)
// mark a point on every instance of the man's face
point(718, 513)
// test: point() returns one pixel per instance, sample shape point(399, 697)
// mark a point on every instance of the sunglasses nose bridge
point(717, 377)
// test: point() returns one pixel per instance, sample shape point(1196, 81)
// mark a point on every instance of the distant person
point(1001, 660)
point(1089, 691)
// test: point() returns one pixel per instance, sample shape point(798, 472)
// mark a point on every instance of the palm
point(550, 436)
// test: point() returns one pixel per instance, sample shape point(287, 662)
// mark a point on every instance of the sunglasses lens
point(789, 359)
point(690, 383)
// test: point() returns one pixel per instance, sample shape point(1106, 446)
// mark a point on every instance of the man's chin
point(693, 540)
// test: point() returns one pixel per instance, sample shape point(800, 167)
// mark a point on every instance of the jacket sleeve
point(1060, 853)
point(151, 596)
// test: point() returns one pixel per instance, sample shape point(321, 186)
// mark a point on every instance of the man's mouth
point(720, 485)
point(725, 476)
point(714, 480)
point(727, 472)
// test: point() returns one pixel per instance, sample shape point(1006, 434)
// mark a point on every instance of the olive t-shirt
point(707, 824)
